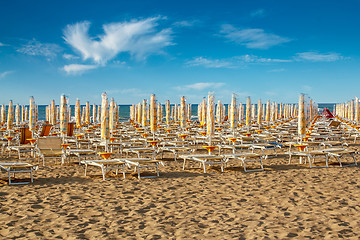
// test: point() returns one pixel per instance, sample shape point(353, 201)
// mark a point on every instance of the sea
point(124, 110)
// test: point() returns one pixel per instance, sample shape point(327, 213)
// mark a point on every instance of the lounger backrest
point(25, 134)
point(334, 124)
point(45, 131)
point(49, 142)
point(70, 129)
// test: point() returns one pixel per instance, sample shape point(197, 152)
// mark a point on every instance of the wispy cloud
point(69, 56)
point(201, 86)
point(4, 74)
point(252, 37)
point(139, 38)
point(277, 70)
point(318, 57)
point(306, 88)
point(3, 44)
point(258, 13)
point(36, 48)
point(210, 63)
point(185, 23)
point(78, 69)
point(233, 62)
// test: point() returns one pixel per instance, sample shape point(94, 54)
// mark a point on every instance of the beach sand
point(283, 202)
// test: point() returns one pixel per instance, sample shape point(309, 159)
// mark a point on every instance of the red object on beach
point(326, 113)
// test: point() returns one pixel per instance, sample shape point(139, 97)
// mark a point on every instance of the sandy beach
point(285, 201)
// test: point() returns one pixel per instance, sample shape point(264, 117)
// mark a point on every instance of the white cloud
point(277, 70)
point(201, 86)
point(307, 88)
point(36, 48)
point(318, 57)
point(3, 44)
point(258, 13)
point(78, 69)
point(70, 56)
point(139, 38)
point(210, 63)
point(185, 23)
point(233, 62)
point(4, 74)
point(252, 37)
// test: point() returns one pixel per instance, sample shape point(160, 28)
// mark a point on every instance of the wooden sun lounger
point(204, 159)
point(246, 157)
point(18, 167)
point(106, 166)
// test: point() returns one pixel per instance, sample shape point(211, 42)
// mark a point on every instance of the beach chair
point(244, 158)
point(106, 166)
point(24, 144)
point(50, 147)
point(204, 159)
point(339, 153)
point(13, 168)
point(310, 156)
point(144, 163)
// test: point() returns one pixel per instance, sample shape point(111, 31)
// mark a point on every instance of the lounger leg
point(85, 169)
point(157, 169)
point(9, 178)
point(243, 162)
point(204, 167)
point(123, 171)
point(31, 175)
point(338, 158)
point(309, 159)
point(354, 160)
point(184, 164)
point(138, 169)
point(103, 172)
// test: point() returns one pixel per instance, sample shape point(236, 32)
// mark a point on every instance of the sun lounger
point(246, 157)
point(144, 163)
point(17, 167)
point(175, 150)
point(338, 153)
point(106, 166)
point(204, 159)
point(50, 147)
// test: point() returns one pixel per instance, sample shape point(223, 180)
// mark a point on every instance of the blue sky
point(130, 49)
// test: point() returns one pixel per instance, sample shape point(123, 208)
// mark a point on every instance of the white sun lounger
point(18, 167)
point(144, 163)
point(204, 159)
point(247, 157)
point(106, 166)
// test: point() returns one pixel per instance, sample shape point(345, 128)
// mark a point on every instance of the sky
point(269, 50)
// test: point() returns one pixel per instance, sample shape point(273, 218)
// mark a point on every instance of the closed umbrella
point(267, 119)
point(232, 112)
point(32, 115)
point(105, 134)
point(183, 113)
point(52, 113)
point(87, 113)
point(248, 112)
point(357, 115)
point(3, 114)
point(112, 117)
point(301, 117)
point(17, 114)
point(63, 116)
point(167, 112)
point(153, 120)
point(259, 113)
point(77, 113)
point(143, 117)
point(210, 119)
point(10, 117)
point(94, 113)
